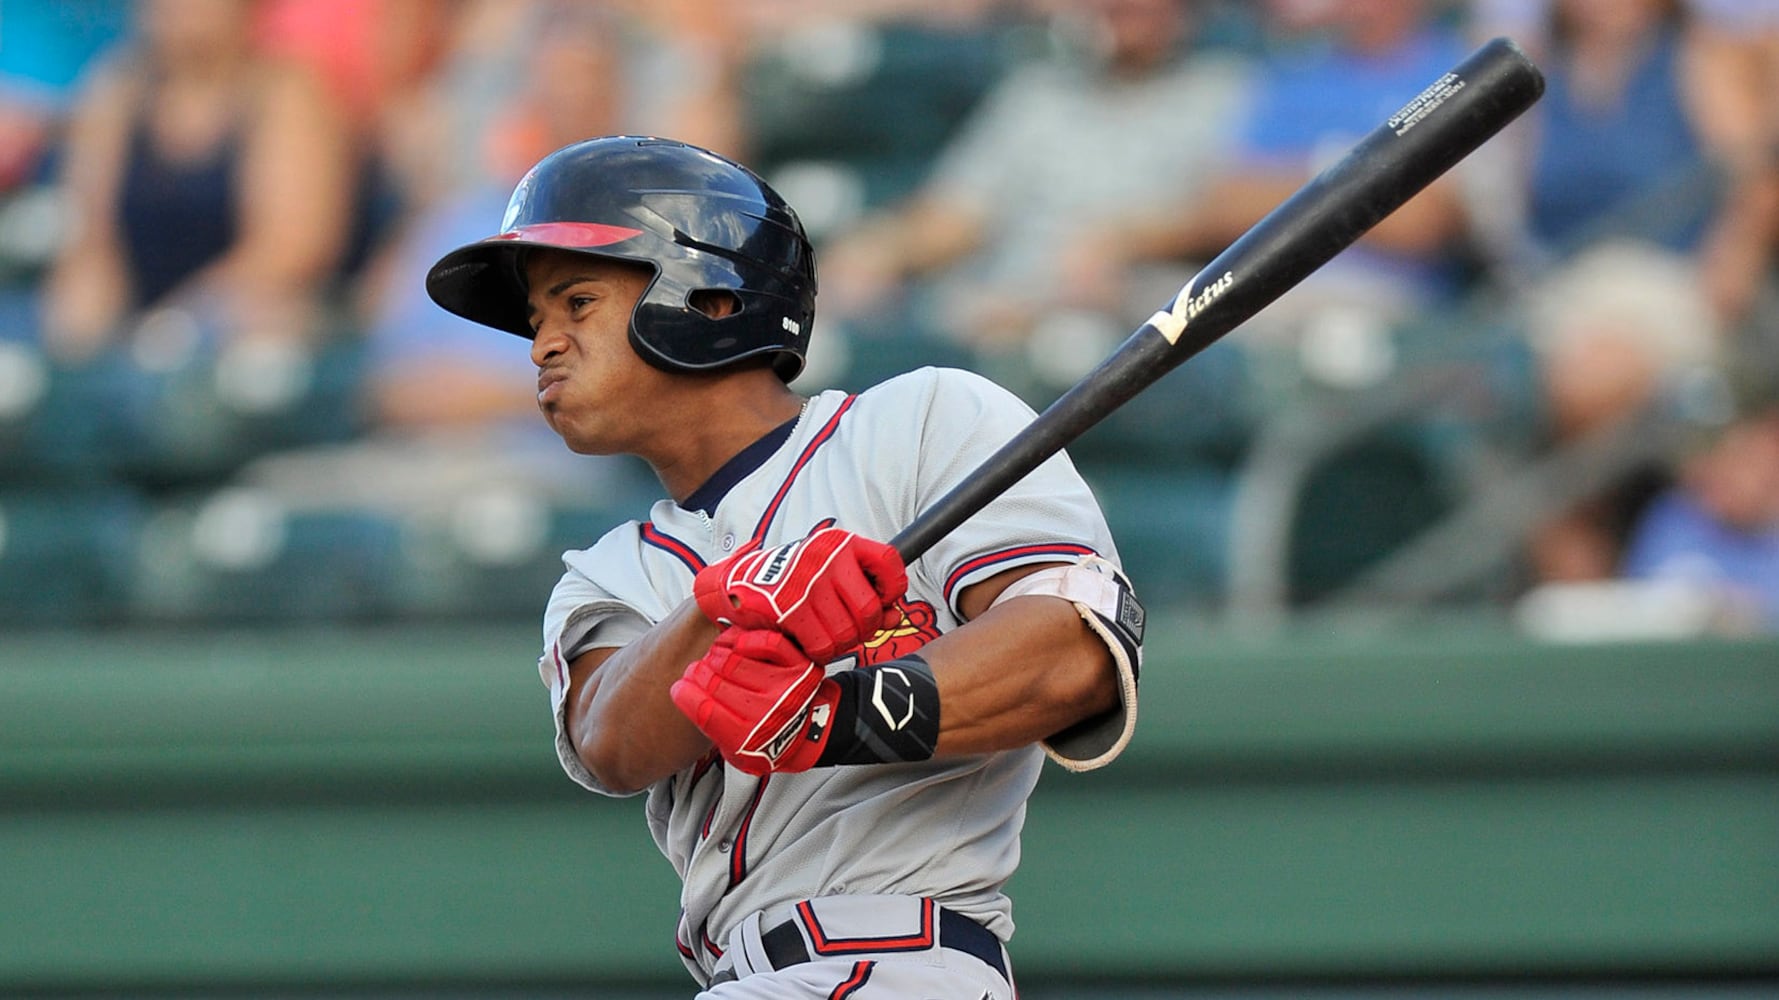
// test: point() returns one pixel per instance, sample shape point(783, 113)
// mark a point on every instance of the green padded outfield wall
point(380, 811)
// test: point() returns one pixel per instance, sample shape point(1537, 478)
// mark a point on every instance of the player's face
point(592, 388)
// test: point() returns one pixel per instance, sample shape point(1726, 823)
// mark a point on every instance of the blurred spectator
point(581, 69)
point(372, 54)
point(1647, 182)
point(1717, 531)
point(486, 108)
point(451, 406)
point(1751, 28)
point(45, 45)
point(1334, 73)
point(1655, 129)
point(375, 57)
point(198, 174)
point(1614, 332)
point(1742, 36)
point(1125, 115)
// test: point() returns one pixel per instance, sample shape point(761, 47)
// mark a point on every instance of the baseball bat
point(1443, 124)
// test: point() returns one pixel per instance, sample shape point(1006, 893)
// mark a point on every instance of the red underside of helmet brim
point(569, 235)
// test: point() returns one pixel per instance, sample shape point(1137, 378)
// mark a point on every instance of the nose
point(549, 342)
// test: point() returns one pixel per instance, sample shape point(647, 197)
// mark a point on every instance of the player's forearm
point(623, 725)
point(1017, 674)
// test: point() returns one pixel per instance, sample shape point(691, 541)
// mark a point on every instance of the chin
point(583, 444)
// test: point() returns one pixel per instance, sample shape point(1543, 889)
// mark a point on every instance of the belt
point(784, 945)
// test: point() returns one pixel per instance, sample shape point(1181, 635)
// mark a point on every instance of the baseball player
point(836, 748)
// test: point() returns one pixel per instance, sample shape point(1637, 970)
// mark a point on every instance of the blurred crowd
point(1547, 386)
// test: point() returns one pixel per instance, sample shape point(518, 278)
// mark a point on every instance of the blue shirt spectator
point(1319, 97)
point(1616, 158)
point(1718, 530)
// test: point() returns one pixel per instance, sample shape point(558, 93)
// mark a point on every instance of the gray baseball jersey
point(945, 829)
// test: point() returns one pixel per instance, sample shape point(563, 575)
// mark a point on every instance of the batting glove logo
point(775, 565)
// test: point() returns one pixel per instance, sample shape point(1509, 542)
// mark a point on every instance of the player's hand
point(827, 592)
point(753, 695)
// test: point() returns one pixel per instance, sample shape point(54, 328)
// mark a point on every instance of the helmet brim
point(482, 281)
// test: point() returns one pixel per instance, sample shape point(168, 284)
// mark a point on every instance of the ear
point(715, 302)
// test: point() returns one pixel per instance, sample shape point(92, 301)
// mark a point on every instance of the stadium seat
point(871, 356)
point(496, 554)
point(65, 555)
point(1361, 503)
point(1170, 524)
point(1200, 412)
point(873, 102)
point(168, 426)
point(197, 423)
point(238, 555)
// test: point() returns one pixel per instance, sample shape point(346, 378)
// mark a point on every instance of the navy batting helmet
point(702, 222)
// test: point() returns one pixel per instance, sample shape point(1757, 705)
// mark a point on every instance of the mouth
point(549, 384)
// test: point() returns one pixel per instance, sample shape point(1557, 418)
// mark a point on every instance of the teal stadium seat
point(200, 422)
point(1363, 502)
point(239, 556)
point(872, 356)
point(497, 554)
point(182, 425)
point(1171, 527)
point(874, 103)
point(1201, 413)
point(66, 555)
point(25, 383)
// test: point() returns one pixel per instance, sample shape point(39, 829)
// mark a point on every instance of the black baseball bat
point(1443, 124)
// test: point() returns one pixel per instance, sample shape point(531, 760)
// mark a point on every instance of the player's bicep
point(1111, 620)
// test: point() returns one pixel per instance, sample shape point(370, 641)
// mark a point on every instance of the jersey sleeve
point(584, 615)
point(1051, 516)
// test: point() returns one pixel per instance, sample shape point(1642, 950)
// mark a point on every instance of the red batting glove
point(828, 592)
point(753, 695)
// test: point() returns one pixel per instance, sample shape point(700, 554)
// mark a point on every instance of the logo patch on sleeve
point(1130, 614)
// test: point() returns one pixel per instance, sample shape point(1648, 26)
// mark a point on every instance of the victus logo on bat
point(1172, 321)
point(1211, 293)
